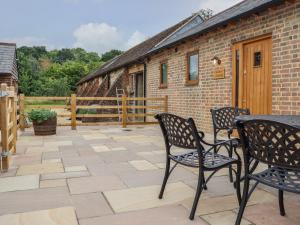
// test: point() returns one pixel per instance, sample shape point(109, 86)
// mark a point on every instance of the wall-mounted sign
point(219, 73)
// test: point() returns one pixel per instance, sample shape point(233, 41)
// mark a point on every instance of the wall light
point(216, 60)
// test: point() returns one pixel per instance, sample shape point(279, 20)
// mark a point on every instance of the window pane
point(193, 63)
point(257, 58)
point(164, 73)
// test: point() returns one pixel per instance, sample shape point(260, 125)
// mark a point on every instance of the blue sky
point(96, 25)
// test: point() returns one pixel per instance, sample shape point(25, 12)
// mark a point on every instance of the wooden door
point(139, 93)
point(253, 81)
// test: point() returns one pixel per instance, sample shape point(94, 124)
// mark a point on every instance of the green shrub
point(40, 115)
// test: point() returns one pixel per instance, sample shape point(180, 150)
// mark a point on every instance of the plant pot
point(47, 127)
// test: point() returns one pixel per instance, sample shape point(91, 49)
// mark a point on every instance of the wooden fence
point(160, 104)
point(8, 124)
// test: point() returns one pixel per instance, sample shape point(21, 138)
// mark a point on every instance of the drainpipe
point(145, 86)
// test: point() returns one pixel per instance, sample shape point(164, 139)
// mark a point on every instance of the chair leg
point(197, 196)
point(204, 183)
point(281, 203)
point(167, 173)
point(237, 183)
point(230, 167)
point(244, 201)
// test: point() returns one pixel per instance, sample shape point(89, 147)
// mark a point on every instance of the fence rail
point(8, 124)
point(70, 104)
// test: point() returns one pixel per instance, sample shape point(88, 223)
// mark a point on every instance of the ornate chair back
point(223, 118)
point(179, 132)
point(270, 142)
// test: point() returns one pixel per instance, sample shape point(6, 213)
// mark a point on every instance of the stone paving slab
point(224, 203)
point(53, 176)
point(95, 137)
point(75, 168)
point(59, 216)
point(57, 143)
point(100, 148)
point(147, 197)
point(223, 218)
point(142, 165)
point(41, 149)
point(268, 214)
point(40, 168)
point(37, 199)
point(57, 160)
point(19, 183)
point(53, 183)
point(94, 184)
point(171, 215)
point(90, 205)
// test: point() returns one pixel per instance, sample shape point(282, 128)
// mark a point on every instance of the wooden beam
point(46, 98)
point(22, 111)
point(73, 111)
point(124, 111)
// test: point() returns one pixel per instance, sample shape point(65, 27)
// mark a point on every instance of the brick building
point(8, 64)
point(246, 56)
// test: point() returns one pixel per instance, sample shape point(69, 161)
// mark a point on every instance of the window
point(257, 59)
point(163, 74)
point(192, 68)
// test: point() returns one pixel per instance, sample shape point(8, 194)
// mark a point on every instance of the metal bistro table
point(290, 120)
point(286, 119)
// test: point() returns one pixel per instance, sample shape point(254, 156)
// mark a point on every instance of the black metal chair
point(278, 146)
point(183, 133)
point(223, 120)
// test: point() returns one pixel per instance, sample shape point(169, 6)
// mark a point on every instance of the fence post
point(73, 111)
point(4, 129)
point(14, 119)
point(124, 111)
point(166, 103)
point(22, 111)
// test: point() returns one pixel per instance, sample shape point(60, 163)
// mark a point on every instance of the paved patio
point(107, 175)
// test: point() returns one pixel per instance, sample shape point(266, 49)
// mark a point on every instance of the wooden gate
point(8, 124)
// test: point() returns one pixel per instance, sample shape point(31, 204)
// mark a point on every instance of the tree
point(36, 52)
point(57, 87)
point(110, 55)
point(63, 55)
point(42, 72)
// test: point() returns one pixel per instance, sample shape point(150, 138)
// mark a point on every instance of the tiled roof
point(133, 54)
point(8, 59)
point(244, 8)
point(182, 31)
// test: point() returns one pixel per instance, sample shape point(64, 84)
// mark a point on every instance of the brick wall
point(196, 101)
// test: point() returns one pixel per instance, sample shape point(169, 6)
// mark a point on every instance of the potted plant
point(44, 121)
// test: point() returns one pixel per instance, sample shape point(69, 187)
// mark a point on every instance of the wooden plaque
point(219, 73)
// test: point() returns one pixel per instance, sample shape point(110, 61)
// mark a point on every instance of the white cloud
point(102, 37)
point(218, 5)
point(136, 38)
point(29, 41)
